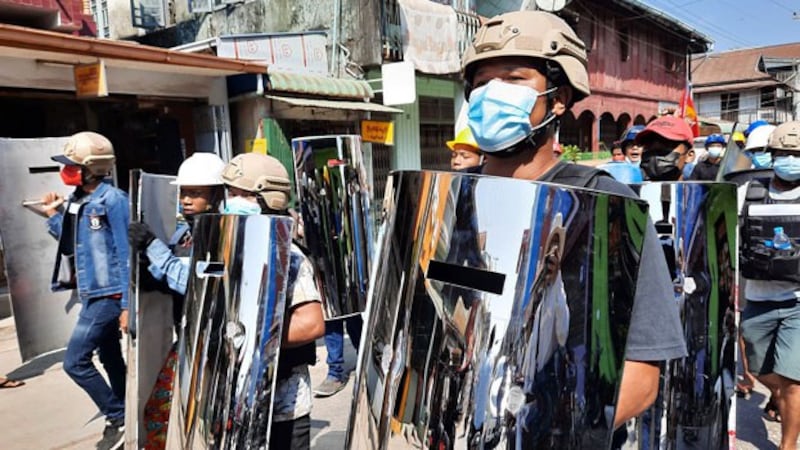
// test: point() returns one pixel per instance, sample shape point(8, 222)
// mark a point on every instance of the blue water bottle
point(781, 240)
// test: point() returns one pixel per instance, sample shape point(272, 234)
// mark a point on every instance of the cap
point(786, 137)
point(668, 127)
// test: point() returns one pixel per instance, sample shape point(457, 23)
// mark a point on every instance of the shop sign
point(377, 131)
point(90, 80)
point(258, 145)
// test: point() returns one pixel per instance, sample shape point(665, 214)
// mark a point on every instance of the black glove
point(139, 235)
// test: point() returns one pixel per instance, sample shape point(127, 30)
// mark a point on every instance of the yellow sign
point(377, 131)
point(257, 145)
point(90, 80)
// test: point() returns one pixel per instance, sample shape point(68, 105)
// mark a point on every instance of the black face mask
point(661, 168)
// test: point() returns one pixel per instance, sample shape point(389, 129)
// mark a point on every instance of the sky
point(733, 24)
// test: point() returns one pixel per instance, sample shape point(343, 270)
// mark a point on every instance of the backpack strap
point(575, 175)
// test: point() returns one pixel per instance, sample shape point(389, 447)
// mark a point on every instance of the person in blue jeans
point(93, 258)
point(334, 343)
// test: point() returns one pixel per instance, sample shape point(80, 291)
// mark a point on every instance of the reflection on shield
point(696, 224)
point(44, 320)
point(228, 351)
point(152, 304)
point(498, 317)
point(334, 192)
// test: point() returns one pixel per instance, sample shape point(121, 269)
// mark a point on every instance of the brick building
point(69, 16)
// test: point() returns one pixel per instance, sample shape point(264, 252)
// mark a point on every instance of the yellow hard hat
point(464, 137)
point(738, 137)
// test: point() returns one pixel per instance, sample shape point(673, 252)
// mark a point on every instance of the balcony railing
point(392, 30)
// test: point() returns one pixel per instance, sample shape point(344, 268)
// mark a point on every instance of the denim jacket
point(101, 244)
point(166, 265)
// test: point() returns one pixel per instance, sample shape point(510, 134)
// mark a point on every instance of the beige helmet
point(262, 175)
point(536, 34)
point(88, 149)
point(785, 137)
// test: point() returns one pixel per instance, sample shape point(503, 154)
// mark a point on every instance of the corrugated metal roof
point(317, 85)
point(737, 66)
point(334, 104)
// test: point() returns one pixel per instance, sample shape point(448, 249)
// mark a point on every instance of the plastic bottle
point(781, 240)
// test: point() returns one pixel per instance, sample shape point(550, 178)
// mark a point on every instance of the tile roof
point(737, 66)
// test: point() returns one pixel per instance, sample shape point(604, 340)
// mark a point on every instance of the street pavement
point(51, 412)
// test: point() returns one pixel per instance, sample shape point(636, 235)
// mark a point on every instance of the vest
point(759, 261)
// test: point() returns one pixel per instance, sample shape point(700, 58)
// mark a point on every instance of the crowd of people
point(518, 83)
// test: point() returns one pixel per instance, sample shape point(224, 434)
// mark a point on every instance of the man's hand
point(139, 235)
point(51, 202)
point(123, 321)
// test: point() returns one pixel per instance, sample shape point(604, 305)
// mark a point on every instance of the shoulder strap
point(756, 191)
point(575, 175)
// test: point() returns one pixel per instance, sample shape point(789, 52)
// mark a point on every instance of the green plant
point(570, 153)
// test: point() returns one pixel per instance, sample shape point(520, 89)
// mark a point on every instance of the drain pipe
point(337, 8)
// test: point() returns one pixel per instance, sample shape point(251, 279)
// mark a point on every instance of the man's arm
point(305, 325)
point(165, 265)
point(638, 390)
point(118, 219)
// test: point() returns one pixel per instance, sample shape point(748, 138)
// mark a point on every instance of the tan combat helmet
point(536, 34)
point(90, 150)
point(785, 137)
point(262, 175)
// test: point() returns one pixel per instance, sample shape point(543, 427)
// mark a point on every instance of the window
point(729, 107)
point(768, 97)
point(625, 44)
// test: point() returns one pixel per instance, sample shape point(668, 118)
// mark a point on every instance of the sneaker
point(113, 435)
point(329, 387)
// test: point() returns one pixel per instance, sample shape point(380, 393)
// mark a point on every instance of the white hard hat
point(200, 169)
point(759, 137)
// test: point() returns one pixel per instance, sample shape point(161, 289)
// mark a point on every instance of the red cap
point(668, 127)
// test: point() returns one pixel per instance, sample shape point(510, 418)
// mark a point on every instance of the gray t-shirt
point(656, 332)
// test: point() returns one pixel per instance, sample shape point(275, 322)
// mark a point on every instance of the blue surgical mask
point(239, 205)
point(761, 160)
point(787, 168)
point(499, 114)
point(687, 170)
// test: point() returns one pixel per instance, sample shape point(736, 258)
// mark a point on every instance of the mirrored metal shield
point(498, 316)
point(696, 224)
point(44, 319)
point(334, 192)
point(153, 202)
point(228, 350)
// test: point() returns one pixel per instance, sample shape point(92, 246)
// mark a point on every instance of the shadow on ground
point(37, 366)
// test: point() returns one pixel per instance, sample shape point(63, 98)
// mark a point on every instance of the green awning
point(318, 85)
point(334, 104)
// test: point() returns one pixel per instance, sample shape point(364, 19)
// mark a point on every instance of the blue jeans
point(98, 328)
point(334, 342)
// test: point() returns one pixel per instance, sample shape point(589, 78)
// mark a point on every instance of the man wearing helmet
point(632, 150)
point(770, 264)
point(523, 71)
point(464, 151)
point(93, 258)
point(259, 184)
point(707, 168)
point(756, 145)
point(200, 191)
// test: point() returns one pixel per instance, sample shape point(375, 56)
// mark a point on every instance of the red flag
point(687, 110)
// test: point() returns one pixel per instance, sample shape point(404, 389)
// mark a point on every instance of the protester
point(619, 167)
point(707, 168)
point(771, 267)
point(200, 191)
point(91, 233)
point(259, 184)
point(691, 161)
point(336, 380)
point(8, 383)
point(756, 146)
point(632, 151)
point(465, 151)
point(665, 144)
point(523, 71)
